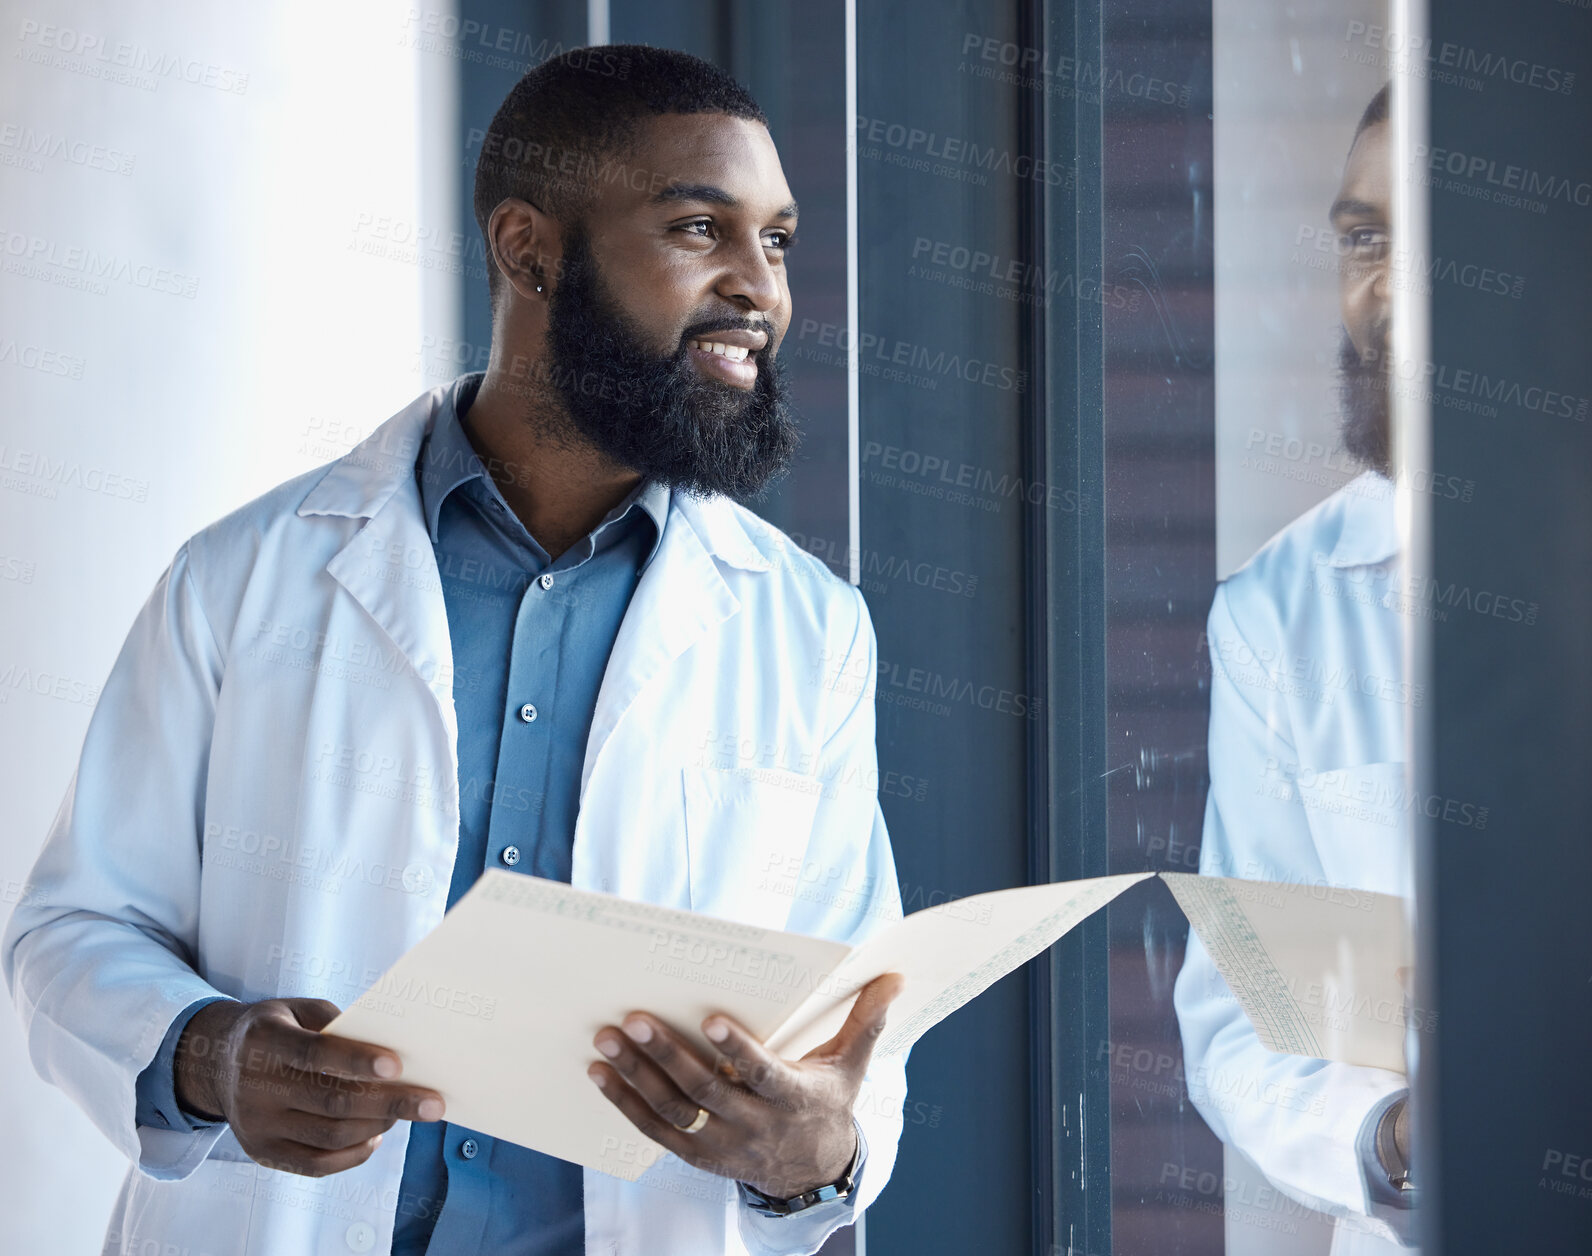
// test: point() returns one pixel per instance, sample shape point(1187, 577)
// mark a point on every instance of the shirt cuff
point(156, 1089)
point(851, 1195)
point(1377, 1188)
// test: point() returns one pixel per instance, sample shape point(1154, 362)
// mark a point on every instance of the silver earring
point(538, 287)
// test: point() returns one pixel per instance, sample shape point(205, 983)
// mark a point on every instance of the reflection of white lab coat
point(1309, 707)
point(266, 805)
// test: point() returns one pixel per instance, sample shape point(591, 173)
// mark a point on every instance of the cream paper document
point(497, 1007)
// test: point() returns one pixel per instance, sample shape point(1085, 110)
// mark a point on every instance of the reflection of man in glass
point(1308, 718)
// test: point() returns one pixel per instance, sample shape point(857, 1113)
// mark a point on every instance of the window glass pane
point(1258, 699)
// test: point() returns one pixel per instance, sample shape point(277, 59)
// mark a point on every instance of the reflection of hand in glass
point(1309, 706)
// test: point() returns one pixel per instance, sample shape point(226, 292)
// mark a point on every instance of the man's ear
point(527, 247)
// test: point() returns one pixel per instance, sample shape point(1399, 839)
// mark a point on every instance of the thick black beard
point(1363, 393)
point(660, 416)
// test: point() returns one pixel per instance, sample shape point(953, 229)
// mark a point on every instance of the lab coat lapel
point(390, 569)
point(680, 596)
point(389, 566)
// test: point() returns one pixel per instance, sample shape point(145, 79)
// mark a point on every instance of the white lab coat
point(266, 806)
point(1310, 704)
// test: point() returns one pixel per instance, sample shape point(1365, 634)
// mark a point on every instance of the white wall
point(1290, 83)
point(254, 185)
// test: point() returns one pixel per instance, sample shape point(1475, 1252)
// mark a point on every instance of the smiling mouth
point(727, 362)
point(733, 353)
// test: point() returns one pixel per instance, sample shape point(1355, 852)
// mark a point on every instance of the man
point(511, 628)
point(1309, 707)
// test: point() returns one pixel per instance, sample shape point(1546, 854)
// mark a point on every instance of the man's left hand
point(782, 1126)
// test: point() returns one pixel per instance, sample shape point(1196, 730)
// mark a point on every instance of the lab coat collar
point(366, 478)
point(390, 568)
point(1370, 532)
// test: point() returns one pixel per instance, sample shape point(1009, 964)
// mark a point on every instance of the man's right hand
point(297, 1100)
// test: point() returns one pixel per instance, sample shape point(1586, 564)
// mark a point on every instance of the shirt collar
point(448, 459)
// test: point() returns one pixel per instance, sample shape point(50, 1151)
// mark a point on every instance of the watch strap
point(770, 1206)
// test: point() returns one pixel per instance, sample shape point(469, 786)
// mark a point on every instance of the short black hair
point(1375, 112)
point(571, 121)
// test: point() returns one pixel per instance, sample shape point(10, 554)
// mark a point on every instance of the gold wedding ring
point(696, 1125)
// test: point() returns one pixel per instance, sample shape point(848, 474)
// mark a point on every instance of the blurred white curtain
point(226, 232)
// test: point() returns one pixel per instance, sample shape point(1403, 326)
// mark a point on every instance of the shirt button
point(511, 855)
point(360, 1237)
point(546, 582)
point(468, 1148)
point(528, 713)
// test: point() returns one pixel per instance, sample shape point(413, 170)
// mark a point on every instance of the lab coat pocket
point(1360, 818)
point(746, 830)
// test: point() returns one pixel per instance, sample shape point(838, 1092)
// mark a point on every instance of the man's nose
point(1382, 291)
point(752, 282)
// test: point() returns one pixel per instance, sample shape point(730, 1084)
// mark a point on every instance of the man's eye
point(1365, 241)
point(781, 240)
point(703, 223)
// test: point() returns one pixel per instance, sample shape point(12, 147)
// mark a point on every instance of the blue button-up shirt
point(531, 637)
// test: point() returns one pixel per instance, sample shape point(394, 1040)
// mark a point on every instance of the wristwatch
point(1387, 1150)
point(771, 1207)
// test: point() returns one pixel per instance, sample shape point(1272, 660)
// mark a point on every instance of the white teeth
point(735, 353)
